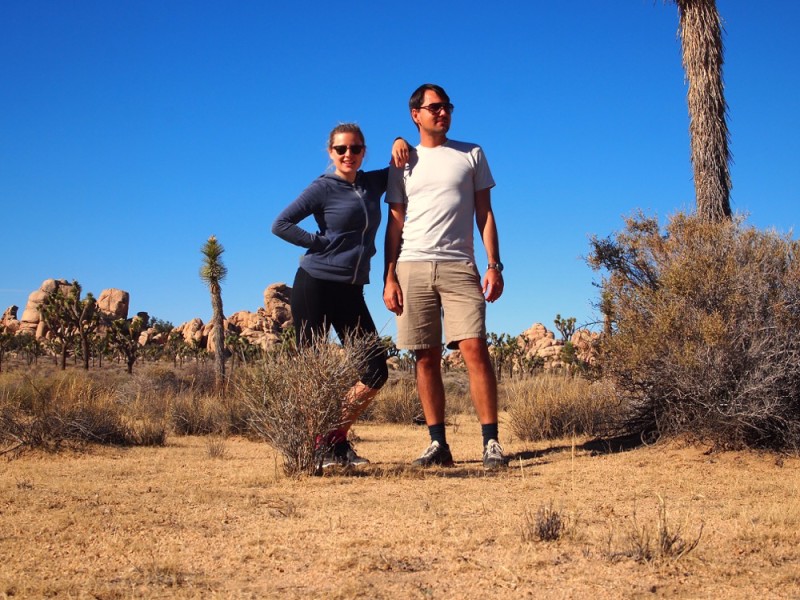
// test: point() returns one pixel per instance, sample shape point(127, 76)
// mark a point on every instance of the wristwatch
point(498, 266)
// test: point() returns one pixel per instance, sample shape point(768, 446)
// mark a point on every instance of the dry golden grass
point(553, 405)
point(172, 521)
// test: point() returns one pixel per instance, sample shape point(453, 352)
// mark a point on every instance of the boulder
point(277, 299)
point(9, 319)
point(30, 322)
point(192, 331)
point(585, 343)
point(10, 314)
point(114, 303)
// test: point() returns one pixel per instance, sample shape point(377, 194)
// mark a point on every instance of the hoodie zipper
point(363, 232)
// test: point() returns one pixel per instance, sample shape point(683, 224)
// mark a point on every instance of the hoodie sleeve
point(309, 202)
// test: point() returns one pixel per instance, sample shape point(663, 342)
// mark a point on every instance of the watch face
point(497, 265)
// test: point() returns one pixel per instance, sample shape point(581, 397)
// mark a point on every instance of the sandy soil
point(175, 522)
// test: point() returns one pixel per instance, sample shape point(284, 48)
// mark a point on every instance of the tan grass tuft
point(558, 405)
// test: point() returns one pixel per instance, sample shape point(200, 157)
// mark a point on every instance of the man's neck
point(427, 140)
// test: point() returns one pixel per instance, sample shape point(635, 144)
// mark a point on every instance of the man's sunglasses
point(354, 149)
point(438, 107)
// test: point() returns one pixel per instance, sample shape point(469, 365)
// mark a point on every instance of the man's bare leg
point(482, 379)
point(429, 384)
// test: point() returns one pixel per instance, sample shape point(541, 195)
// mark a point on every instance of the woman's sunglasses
point(354, 149)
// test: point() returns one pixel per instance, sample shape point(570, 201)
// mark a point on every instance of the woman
point(328, 287)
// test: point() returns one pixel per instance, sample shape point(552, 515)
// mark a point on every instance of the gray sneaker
point(435, 454)
point(493, 456)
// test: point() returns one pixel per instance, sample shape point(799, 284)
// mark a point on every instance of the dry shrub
point(152, 380)
point(397, 402)
point(202, 414)
point(704, 323)
point(70, 408)
point(554, 405)
point(656, 542)
point(457, 395)
point(548, 525)
point(198, 376)
point(296, 396)
point(215, 446)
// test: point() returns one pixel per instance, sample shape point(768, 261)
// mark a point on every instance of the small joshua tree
point(212, 272)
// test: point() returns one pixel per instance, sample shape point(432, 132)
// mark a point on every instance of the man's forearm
point(392, 242)
point(487, 226)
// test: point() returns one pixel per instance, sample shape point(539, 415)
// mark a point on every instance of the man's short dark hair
point(419, 94)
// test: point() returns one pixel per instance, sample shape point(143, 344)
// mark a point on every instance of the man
point(430, 268)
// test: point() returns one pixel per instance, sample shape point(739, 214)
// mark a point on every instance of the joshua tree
point(701, 40)
point(6, 341)
point(212, 273)
point(504, 352)
point(87, 321)
point(123, 337)
point(68, 317)
point(566, 327)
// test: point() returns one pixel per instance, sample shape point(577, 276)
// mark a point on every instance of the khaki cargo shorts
point(433, 289)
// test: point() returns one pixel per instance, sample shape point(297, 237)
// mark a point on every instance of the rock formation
point(31, 321)
point(111, 301)
point(262, 328)
point(9, 320)
point(585, 343)
point(538, 341)
point(265, 326)
point(114, 303)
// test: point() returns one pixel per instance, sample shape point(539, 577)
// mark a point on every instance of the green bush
point(704, 329)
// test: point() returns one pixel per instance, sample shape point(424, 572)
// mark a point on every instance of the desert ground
point(181, 521)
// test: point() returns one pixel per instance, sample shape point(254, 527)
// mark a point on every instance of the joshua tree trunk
point(218, 334)
point(701, 39)
point(213, 272)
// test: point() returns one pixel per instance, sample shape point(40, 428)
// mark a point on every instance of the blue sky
point(130, 131)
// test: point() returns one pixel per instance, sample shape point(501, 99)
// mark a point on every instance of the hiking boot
point(346, 450)
point(435, 454)
point(331, 459)
point(341, 454)
point(493, 456)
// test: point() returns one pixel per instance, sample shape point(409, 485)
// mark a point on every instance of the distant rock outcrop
point(111, 301)
point(115, 303)
point(262, 328)
point(31, 321)
point(265, 326)
point(9, 320)
point(585, 343)
point(538, 341)
point(191, 331)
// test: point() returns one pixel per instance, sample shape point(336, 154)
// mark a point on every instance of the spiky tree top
point(212, 271)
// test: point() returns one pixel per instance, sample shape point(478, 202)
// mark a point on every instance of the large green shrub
point(704, 323)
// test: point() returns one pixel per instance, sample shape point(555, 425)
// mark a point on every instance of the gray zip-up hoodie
point(347, 215)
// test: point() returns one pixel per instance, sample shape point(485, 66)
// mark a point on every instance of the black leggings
point(317, 304)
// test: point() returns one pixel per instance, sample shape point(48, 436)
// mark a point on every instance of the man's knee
point(429, 358)
point(475, 352)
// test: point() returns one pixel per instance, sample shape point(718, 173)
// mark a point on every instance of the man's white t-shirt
point(438, 187)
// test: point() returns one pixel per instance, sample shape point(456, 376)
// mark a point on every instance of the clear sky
point(132, 130)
